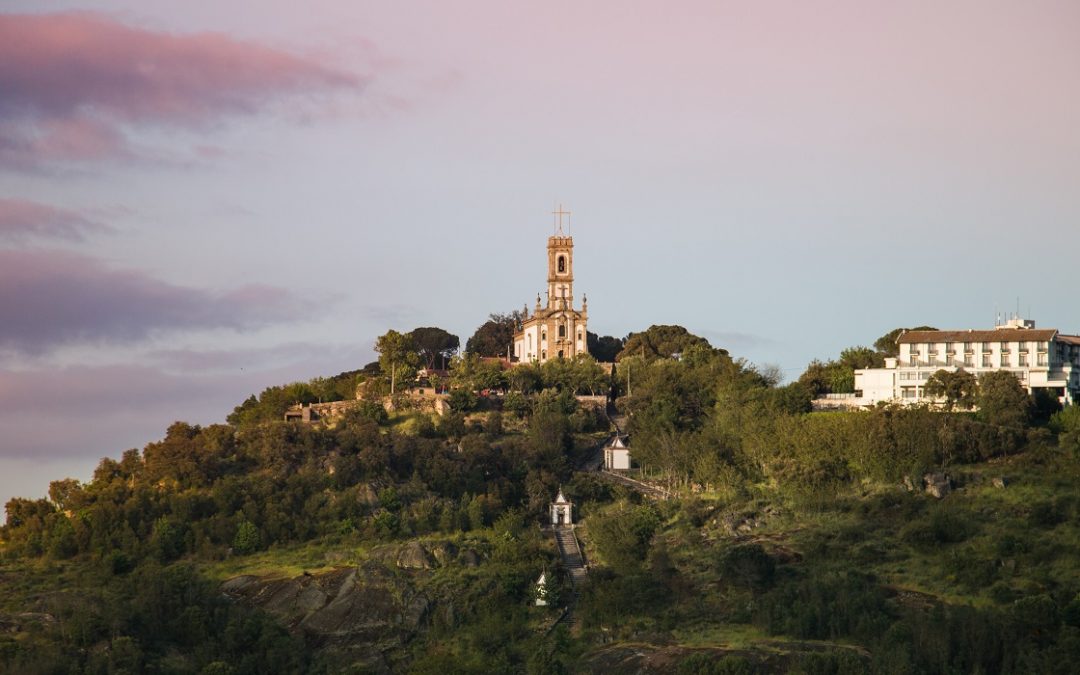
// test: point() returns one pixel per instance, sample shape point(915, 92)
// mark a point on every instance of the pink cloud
point(21, 219)
point(73, 82)
point(52, 298)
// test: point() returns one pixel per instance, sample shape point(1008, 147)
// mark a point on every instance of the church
point(555, 329)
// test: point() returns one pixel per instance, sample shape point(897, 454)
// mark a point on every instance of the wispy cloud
point(21, 219)
point(53, 298)
point(75, 84)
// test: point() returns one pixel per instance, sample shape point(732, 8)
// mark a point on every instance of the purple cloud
point(52, 298)
point(21, 219)
point(73, 83)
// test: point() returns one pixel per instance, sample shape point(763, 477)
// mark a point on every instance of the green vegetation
point(797, 542)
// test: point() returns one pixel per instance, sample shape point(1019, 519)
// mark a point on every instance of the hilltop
point(895, 540)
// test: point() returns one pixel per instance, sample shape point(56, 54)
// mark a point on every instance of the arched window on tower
point(562, 330)
point(562, 264)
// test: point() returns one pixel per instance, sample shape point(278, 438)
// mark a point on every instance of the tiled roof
point(1069, 339)
point(998, 335)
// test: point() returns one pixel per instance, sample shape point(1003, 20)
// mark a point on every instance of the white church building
point(1040, 358)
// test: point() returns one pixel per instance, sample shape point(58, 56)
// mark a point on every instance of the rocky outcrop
point(363, 615)
point(937, 484)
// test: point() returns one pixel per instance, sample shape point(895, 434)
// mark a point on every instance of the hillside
point(797, 542)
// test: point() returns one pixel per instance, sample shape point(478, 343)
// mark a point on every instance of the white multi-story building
point(1040, 359)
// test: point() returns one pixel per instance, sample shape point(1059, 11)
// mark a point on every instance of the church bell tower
point(558, 330)
point(560, 272)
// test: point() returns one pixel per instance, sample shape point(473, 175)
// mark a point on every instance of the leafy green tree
point(1066, 424)
point(473, 373)
point(603, 349)
point(495, 337)
point(661, 341)
point(861, 357)
point(886, 344)
point(67, 494)
point(1002, 400)
point(958, 388)
point(834, 377)
point(247, 539)
point(434, 345)
point(623, 533)
point(397, 355)
point(747, 566)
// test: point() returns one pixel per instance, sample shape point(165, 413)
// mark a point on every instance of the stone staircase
point(570, 552)
point(574, 563)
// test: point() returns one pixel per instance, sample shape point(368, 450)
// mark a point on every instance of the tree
point(861, 357)
point(603, 349)
point(66, 494)
point(496, 336)
point(957, 388)
point(434, 345)
point(834, 377)
point(396, 353)
point(247, 539)
point(623, 534)
point(662, 342)
point(1002, 400)
point(886, 344)
point(473, 373)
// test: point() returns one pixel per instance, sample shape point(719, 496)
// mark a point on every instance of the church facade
point(555, 329)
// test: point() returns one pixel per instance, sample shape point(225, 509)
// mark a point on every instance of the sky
point(200, 200)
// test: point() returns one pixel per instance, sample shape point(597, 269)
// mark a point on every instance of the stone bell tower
point(560, 272)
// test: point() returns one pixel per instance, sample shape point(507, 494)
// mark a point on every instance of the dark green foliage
point(707, 663)
point(958, 388)
point(603, 349)
point(434, 345)
point(157, 616)
point(622, 535)
point(663, 342)
point(247, 539)
point(825, 606)
point(1002, 400)
point(886, 345)
point(496, 336)
point(747, 566)
point(463, 400)
point(943, 525)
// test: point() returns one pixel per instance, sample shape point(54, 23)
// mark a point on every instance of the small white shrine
point(541, 590)
point(562, 511)
point(617, 455)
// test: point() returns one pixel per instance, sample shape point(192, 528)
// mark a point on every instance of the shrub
point(247, 539)
point(748, 566)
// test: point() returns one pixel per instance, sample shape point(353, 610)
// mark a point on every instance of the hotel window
point(967, 348)
point(986, 361)
point(1042, 359)
point(968, 361)
point(950, 359)
point(1023, 359)
point(1004, 358)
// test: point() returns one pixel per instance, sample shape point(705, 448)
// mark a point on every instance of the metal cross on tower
point(559, 213)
